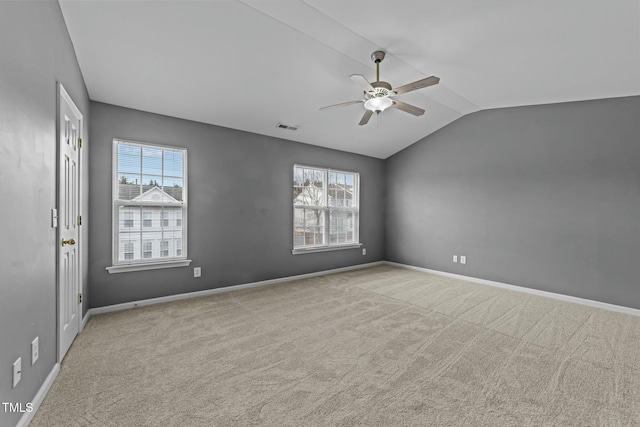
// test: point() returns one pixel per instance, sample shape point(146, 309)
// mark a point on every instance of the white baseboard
point(85, 319)
point(561, 297)
point(170, 298)
point(39, 397)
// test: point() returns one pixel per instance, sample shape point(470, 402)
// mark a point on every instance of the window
point(325, 209)
point(128, 250)
point(147, 249)
point(147, 219)
point(128, 219)
point(178, 247)
point(149, 188)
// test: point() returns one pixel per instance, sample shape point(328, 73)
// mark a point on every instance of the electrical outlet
point(17, 371)
point(35, 350)
point(455, 258)
point(364, 251)
point(463, 259)
point(197, 271)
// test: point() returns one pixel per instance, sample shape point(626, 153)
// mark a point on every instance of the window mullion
point(141, 231)
point(304, 225)
point(141, 161)
point(161, 232)
point(325, 191)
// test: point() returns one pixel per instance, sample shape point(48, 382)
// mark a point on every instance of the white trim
point(118, 266)
point(65, 95)
point(561, 297)
point(160, 300)
point(85, 319)
point(39, 397)
point(65, 98)
point(125, 268)
point(355, 210)
point(313, 249)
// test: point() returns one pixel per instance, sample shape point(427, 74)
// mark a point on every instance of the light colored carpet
point(382, 346)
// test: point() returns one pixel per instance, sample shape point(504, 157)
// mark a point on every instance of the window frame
point(120, 266)
point(327, 245)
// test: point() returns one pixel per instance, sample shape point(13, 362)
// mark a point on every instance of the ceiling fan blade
point(429, 81)
point(407, 108)
point(344, 104)
point(365, 119)
point(359, 79)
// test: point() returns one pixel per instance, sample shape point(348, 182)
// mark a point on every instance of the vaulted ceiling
point(252, 64)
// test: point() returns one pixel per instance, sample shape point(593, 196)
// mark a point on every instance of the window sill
point(301, 251)
point(125, 268)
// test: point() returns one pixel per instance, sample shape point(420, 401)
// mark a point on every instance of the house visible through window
point(325, 208)
point(149, 204)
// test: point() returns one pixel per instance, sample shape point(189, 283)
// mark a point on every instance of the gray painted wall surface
point(35, 53)
point(240, 206)
point(546, 197)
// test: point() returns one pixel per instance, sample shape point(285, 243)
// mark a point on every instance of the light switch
point(17, 371)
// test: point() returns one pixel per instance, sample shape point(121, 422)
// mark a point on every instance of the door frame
point(63, 96)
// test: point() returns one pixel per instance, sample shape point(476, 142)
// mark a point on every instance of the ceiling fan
point(378, 95)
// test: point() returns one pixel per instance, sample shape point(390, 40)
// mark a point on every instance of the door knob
point(68, 242)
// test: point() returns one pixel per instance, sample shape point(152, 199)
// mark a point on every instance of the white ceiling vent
point(288, 127)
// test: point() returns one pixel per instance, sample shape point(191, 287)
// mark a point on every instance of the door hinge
point(80, 142)
point(79, 219)
point(79, 298)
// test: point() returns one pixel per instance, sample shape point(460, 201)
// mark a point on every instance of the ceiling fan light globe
point(378, 104)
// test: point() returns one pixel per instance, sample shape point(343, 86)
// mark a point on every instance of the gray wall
point(546, 197)
point(35, 53)
point(240, 212)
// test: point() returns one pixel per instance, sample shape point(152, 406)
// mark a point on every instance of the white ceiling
point(253, 63)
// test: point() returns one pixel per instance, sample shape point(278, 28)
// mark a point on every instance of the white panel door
point(69, 287)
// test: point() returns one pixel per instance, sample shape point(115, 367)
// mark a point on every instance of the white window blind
point(325, 208)
point(149, 189)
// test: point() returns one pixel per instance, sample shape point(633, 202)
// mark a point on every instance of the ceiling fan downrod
point(377, 58)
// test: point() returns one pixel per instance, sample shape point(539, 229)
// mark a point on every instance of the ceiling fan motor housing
point(382, 87)
point(377, 56)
